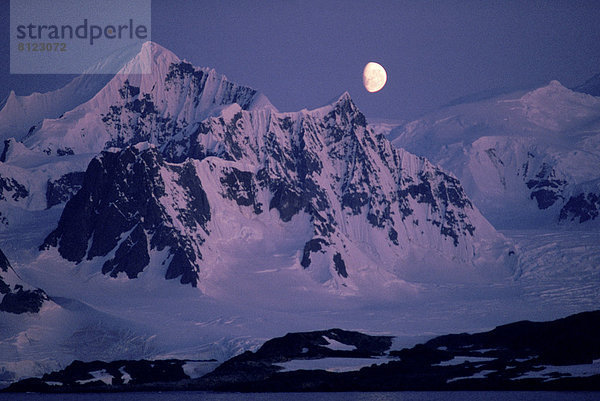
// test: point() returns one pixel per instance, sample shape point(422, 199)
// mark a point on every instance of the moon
point(374, 77)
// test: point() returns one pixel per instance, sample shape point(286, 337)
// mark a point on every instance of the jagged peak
point(149, 56)
point(12, 96)
point(339, 102)
point(344, 97)
point(213, 74)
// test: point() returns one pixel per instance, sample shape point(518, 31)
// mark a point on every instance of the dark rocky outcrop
point(119, 207)
point(581, 208)
point(63, 189)
point(107, 376)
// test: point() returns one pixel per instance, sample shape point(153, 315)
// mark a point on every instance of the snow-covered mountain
point(185, 176)
point(167, 102)
point(527, 159)
point(365, 208)
point(218, 149)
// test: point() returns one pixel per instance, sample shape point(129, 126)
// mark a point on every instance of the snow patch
point(101, 375)
point(459, 360)
point(338, 346)
point(331, 364)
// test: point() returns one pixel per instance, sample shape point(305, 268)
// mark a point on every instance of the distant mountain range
point(526, 159)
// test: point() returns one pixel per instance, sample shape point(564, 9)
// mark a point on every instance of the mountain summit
point(135, 107)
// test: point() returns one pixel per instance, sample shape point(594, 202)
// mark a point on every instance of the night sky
point(303, 54)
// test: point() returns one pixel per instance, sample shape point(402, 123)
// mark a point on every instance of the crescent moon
point(374, 77)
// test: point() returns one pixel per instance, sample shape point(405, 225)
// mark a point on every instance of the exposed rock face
point(519, 356)
point(98, 376)
point(63, 189)
point(9, 187)
point(123, 207)
point(582, 207)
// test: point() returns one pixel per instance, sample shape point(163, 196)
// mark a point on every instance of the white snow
point(459, 360)
point(331, 364)
point(252, 286)
point(124, 375)
point(83, 129)
point(196, 369)
point(496, 146)
point(101, 375)
point(546, 371)
point(479, 375)
point(338, 346)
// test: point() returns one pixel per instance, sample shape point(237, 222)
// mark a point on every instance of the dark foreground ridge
point(559, 355)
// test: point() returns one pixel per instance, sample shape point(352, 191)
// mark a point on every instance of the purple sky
point(302, 54)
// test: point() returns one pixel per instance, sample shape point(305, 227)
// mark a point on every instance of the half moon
point(374, 77)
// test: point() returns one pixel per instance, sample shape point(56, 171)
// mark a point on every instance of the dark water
point(392, 396)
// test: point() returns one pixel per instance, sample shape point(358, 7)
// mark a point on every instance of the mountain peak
point(344, 97)
point(149, 56)
point(347, 106)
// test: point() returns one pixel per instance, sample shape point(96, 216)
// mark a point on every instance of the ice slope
point(31, 182)
point(534, 154)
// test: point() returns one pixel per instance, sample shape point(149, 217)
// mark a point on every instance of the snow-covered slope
point(20, 114)
point(526, 159)
point(44, 168)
